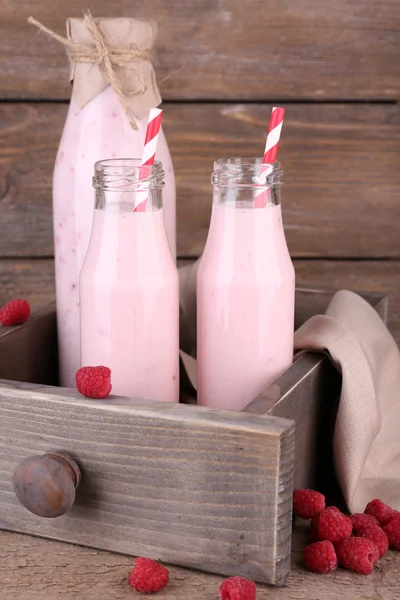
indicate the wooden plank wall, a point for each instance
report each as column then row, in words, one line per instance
column 221, row 65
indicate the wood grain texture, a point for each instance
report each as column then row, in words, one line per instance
column 191, row 486
column 37, row 569
column 34, row 280
column 340, row 198
column 301, row 49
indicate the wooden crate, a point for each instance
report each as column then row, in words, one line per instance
column 184, row 484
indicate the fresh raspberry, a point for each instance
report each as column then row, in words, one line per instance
column 381, row 511
column 308, row 503
column 331, row 525
column 361, row 520
column 148, row 576
column 357, row 554
column 314, row 534
column 15, row 312
column 320, row 557
column 392, row 530
column 237, row 588
column 94, row 382
column 376, row 535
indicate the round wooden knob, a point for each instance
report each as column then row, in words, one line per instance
column 45, row 485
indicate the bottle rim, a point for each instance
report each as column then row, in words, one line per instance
column 127, row 174
column 246, row 172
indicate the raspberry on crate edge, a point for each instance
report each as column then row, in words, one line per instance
column 308, row 503
column 148, row 576
column 237, row 588
column 320, row 557
column 15, row 312
column 357, row 554
column 94, row 382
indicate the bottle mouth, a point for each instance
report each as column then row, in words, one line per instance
column 127, row 174
column 246, row 172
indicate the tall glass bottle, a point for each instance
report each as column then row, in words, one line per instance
column 245, row 287
column 129, row 289
column 98, row 128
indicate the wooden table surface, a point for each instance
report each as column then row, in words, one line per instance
column 36, row 569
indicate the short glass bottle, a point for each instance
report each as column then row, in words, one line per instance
column 245, row 287
column 129, row 288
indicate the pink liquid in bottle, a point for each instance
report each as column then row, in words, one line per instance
column 99, row 130
column 129, row 290
column 245, row 291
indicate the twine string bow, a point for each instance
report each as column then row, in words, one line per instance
column 107, row 57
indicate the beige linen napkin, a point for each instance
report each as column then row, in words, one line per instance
column 366, row 442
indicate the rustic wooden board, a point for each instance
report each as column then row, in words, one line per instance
column 34, row 279
column 191, row 486
column 304, row 49
column 338, row 193
column 35, row 569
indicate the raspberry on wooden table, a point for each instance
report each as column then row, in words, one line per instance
column 237, row 588
column 148, row 576
column 320, row 557
column 94, row 382
column 381, row 511
column 392, row 530
column 357, row 554
column 331, row 525
column 15, row 312
column 308, row 503
column 361, row 520
column 376, row 535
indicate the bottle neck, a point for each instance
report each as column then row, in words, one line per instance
column 246, row 183
column 124, row 185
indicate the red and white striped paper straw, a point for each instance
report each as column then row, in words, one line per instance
column 271, row 150
column 274, row 134
column 150, row 146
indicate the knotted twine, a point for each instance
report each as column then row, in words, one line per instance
column 106, row 56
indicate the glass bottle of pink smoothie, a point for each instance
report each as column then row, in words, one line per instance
column 245, row 287
column 129, row 288
column 96, row 128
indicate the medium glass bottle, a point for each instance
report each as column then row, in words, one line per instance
column 97, row 128
column 245, row 287
column 129, row 288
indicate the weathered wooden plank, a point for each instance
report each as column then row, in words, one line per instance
column 34, row 569
column 225, row 49
column 341, row 162
column 30, row 279
column 34, row 280
column 191, row 486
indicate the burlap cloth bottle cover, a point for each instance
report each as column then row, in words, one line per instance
column 114, row 52
column 366, row 442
